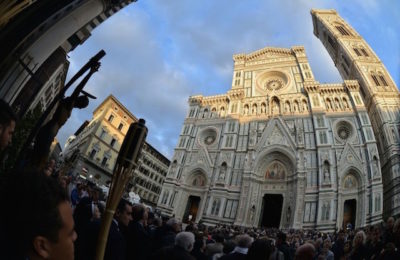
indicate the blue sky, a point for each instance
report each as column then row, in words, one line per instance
column 161, row 52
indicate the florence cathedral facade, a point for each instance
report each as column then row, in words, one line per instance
column 280, row 149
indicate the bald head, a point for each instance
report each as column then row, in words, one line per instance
column 305, row 252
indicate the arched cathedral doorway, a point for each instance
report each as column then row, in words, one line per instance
column 350, row 200
column 192, row 207
column 276, row 199
column 349, row 213
column 271, row 210
column 193, row 204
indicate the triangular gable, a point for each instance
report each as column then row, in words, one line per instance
column 276, row 133
column 268, row 53
column 349, row 157
column 204, row 157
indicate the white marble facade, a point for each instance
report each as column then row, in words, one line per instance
column 277, row 145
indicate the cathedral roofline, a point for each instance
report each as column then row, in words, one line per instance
column 269, row 50
column 323, row 11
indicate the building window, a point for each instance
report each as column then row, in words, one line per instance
column 375, row 80
column 191, row 114
column 92, row 153
column 320, row 121
column 357, row 52
column 74, row 41
column 104, row 161
column 382, row 78
column 364, row 52
column 332, row 43
column 230, row 209
column 358, row 100
column 215, row 207
column 342, row 30
column 103, row 134
column 309, row 212
column 100, row 19
column 182, row 142
column 323, row 138
column 110, row 118
column 120, row 127
column 364, row 119
column 232, row 127
column 113, row 142
column 369, row 134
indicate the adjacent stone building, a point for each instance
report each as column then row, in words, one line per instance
column 93, row 150
column 35, row 40
column 280, row 149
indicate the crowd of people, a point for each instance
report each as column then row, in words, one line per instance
column 50, row 216
column 139, row 233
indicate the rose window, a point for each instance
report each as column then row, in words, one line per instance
column 274, row 84
column 207, row 136
column 344, row 130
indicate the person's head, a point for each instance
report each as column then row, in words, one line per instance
column 185, row 240
column 340, row 236
column 174, row 225
column 327, row 244
column 244, row 241
column 39, row 218
column 139, row 213
column 347, row 247
column 390, row 223
column 259, row 249
column 123, row 214
column 7, row 124
column 359, row 239
column 305, row 252
column 376, row 236
column 318, row 243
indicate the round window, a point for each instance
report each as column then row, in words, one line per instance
column 344, row 130
column 208, row 136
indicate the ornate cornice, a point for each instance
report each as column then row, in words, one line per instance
column 258, row 53
column 236, row 93
column 217, row 99
column 352, row 85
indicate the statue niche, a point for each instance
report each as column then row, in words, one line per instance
column 222, row 172
column 326, row 173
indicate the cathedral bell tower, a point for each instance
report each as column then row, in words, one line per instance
column 355, row 60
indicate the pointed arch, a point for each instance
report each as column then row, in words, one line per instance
column 263, row 108
column 296, row 106
column 287, row 107
column 275, row 106
column 254, row 109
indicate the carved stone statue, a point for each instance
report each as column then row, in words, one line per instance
column 375, row 167
column 327, row 176
column 222, row 173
